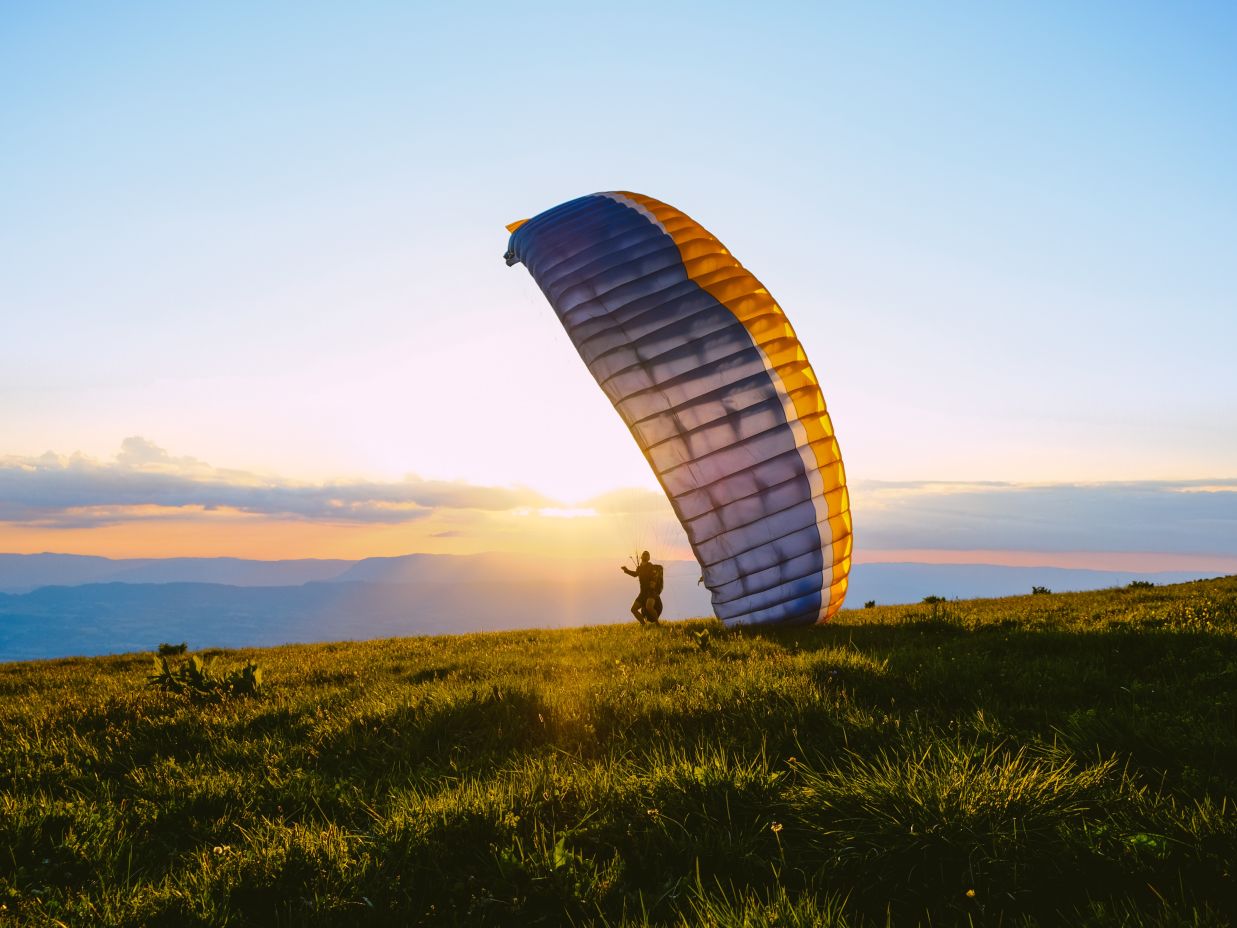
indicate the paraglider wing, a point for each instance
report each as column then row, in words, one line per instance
column 707, row 373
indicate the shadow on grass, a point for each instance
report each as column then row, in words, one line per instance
column 441, row 730
column 1166, row 698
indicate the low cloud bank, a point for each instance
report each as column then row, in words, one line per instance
column 1184, row 516
column 145, row 482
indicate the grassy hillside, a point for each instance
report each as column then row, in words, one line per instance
column 1049, row 759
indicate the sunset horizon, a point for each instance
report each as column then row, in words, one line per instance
column 197, row 510
column 266, row 319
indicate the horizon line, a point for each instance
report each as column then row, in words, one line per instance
column 1113, row 561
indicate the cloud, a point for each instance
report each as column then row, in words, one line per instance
column 137, row 453
column 629, row 500
column 1186, row 516
column 144, row 481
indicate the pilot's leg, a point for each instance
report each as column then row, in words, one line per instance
column 637, row 609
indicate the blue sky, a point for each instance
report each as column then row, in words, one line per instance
column 267, row 236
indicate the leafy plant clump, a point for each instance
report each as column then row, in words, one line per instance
column 1040, row 591
column 199, row 679
column 169, row 650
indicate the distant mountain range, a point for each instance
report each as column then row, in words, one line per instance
column 55, row 605
column 21, row 573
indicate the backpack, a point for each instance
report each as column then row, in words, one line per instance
column 656, row 580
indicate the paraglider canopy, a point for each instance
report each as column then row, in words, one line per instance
column 706, row 371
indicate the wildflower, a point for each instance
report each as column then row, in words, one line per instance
column 776, row 827
column 970, row 894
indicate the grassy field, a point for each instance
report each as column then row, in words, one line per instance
column 1047, row 759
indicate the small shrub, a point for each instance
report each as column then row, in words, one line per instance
column 1040, row 591
column 1140, row 585
column 198, row 679
column 169, row 650
column 870, row 604
column 940, row 615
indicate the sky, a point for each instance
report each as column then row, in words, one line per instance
column 253, row 300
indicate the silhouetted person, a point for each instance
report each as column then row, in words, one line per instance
column 647, row 607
